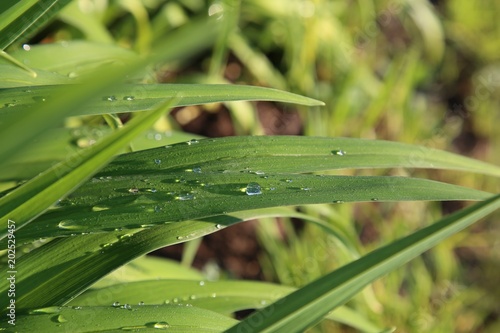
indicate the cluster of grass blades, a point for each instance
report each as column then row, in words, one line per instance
column 85, row 213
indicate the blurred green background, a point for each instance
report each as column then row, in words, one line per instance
column 420, row 72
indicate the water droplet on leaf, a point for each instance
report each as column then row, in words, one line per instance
column 99, row 208
column 48, row 310
column 253, row 189
column 128, row 98
column 61, row 319
column 161, row 325
column 338, row 152
column 185, row 196
column 68, row 225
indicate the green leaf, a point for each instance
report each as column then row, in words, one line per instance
column 145, row 318
column 135, row 201
column 24, row 17
column 224, row 297
column 308, row 305
column 143, row 97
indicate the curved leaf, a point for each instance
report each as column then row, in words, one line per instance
column 141, row 97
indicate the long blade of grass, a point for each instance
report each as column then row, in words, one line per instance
column 145, row 97
column 131, row 202
column 309, row 304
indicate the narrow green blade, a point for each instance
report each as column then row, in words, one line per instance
column 143, row 97
column 129, row 202
column 308, row 305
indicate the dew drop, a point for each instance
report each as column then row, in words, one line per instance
column 133, row 328
column 39, row 99
column 109, row 98
column 126, row 306
column 47, row 310
column 185, row 196
column 158, row 137
column 133, row 190
column 9, row 105
column 115, row 304
column 161, row 325
column 253, row 189
column 72, row 75
column 338, row 201
column 374, row 199
column 141, row 303
column 197, row 170
column 180, row 237
column 201, row 283
column 26, row 47
column 218, row 226
column 125, row 236
column 157, row 161
column 288, row 180
column 77, row 308
column 128, row 98
column 152, row 190
column 68, row 225
column 213, row 295
column 106, row 245
column 338, row 152
column 99, row 208
column 61, row 319
column 192, row 142
column 168, row 146
column 305, row 188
